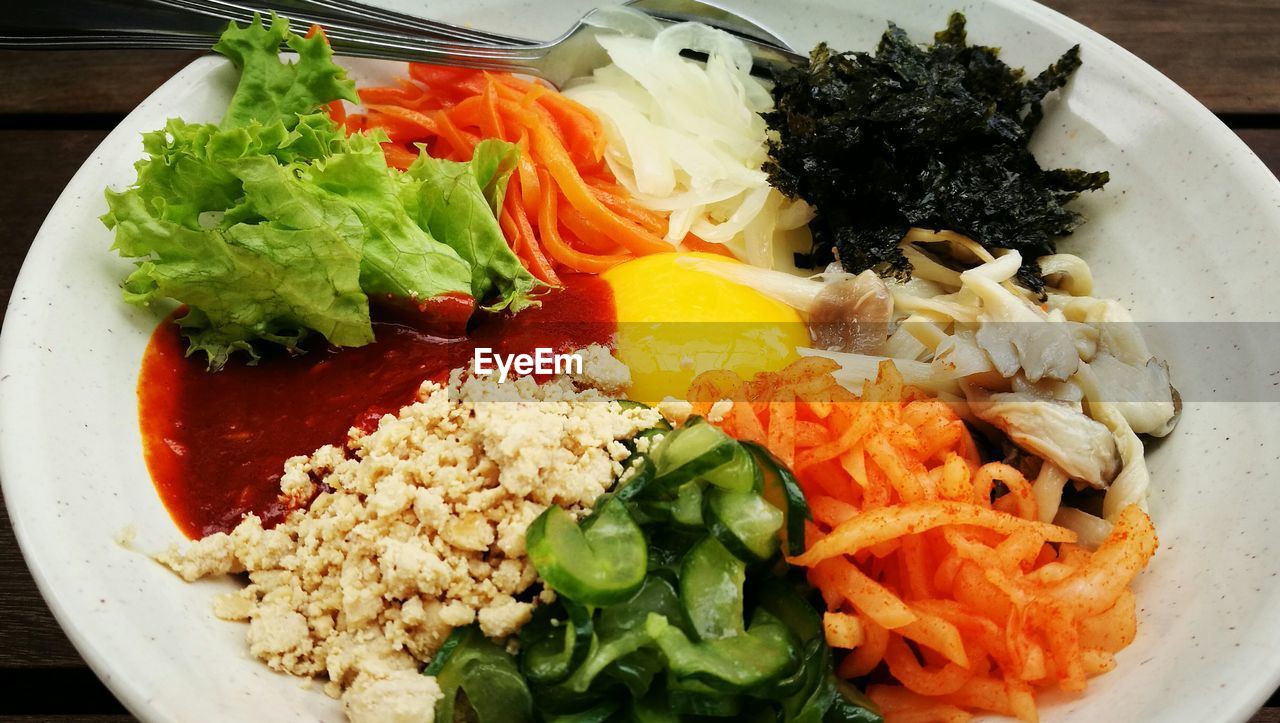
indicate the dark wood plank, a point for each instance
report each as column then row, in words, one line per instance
column 1224, row 52
column 73, row 719
column 1266, row 143
column 1267, row 715
column 27, row 693
column 37, row 165
column 29, row 636
column 82, row 82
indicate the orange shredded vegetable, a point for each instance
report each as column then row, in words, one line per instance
column 563, row 208
column 969, row 604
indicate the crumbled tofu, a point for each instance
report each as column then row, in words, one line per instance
column 602, row 370
column 402, row 697
column 676, row 410
column 719, row 411
column 420, row 529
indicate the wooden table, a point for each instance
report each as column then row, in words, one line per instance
column 56, row 107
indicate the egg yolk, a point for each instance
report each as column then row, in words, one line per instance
column 675, row 322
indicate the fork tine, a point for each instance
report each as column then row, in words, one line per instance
column 355, row 27
column 406, row 22
column 114, row 41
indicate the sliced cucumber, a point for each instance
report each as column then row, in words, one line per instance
column 686, row 509
column 711, row 580
column 602, row 565
column 740, row 474
column 450, row 644
column 557, row 702
column 668, row 548
column 603, row 654
column 555, row 642
column 790, row 607
column 656, row 707
column 490, row 678
column 851, row 705
column 781, row 490
column 637, row 671
column 744, row 523
column 601, row 712
column 763, row 654
column 692, row 451
column 657, row 595
column 786, row 600
column 711, row 704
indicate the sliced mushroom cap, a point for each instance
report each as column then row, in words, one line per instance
column 1041, row 349
column 852, row 314
column 1141, row 393
column 1056, row 431
column 1017, row 334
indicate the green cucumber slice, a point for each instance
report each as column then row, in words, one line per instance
column 686, row 509
column 782, row 491
column 850, row 705
column 598, row 713
column 736, row 664
column 555, row 642
column 637, row 671
column 740, row 474
column 711, row 704
column 656, row 595
column 711, row 580
column 602, row 565
column 744, row 523
column 655, row 707
column 603, row 654
column 442, row 655
column 488, row 676
column 785, row 599
column 691, row 451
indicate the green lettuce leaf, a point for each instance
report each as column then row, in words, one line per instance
column 271, row 90
column 458, row 203
column 401, row 258
column 269, row 268
column 274, row 223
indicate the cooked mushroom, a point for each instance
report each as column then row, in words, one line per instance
column 1017, row 334
column 1040, row 349
column 1142, row 393
column 852, row 314
column 1054, row 430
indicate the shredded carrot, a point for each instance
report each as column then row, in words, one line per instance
column 559, row 250
column 693, row 243
column 934, row 566
column 563, row 210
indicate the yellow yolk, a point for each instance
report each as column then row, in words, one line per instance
column 675, row 322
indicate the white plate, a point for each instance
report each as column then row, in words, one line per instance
column 1185, row 231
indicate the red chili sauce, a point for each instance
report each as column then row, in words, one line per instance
column 216, row 443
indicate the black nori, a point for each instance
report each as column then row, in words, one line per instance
column 929, row 136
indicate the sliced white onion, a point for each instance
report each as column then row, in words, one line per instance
column 688, row 139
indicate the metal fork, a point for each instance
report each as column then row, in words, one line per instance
column 362, row 31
